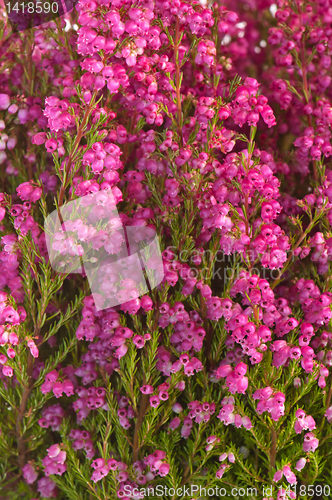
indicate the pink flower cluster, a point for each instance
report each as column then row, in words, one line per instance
column 52, row 417
column 235, row 378
column 54, row 462
column 289, row 475
column 303, row 422
column 82, row 440
column 227, row 415
column 53, row 384
column 310, row 442
column 157, row 464
column 89, row 399
column 102, row 467
column 29, row 473
column 270, row 401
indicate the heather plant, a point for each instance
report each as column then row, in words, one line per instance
column 208, row 125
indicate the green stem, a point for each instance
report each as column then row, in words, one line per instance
column 273, row 449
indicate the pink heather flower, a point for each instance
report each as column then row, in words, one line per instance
column 184, row 359
column 36, row 194
column 46, row 387
column 2, row 213
column 11, row 353
column 310, row 442
column 4, row 101
column 163, row 395
column 164, row 470
column 277, row 476
column 291, row 478
column 10, row 315
column 246, row 422
column 240, row 386
column 300, row 464
column 220, row 472
column 146, row 303
column 7, row 371
column 223, row 371
column 99, row 462
column 13, row 338
column 54, row 451
column 286, row 470
column 68, row 387
column 328, row 414
column 29, row 473
column 238, row 421
column 57, row 389
column 177, row 408
column 212, row 439
column 39, row 138
column 122, row 476
column 146, row 389
column 174, row 423
column 101, row 469
column 112, row 464
column 310, row 423
column 300, row 414
column 33, row 348
column 121, row 351
column 52, row 376
column 189, row 369
column 139, row 342
column 46, row 487
column 154, row 401
column 25, row 190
